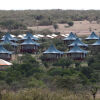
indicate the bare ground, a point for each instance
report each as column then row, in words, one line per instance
column 79, row 27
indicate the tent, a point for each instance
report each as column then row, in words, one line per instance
column 52, row 50
column 7, row 41
column 9, row 37
column 71, row 36
column 77, row 53
column 5, row 54
column 4, row 63
column 52, row 54
column 79, row 43
column 29, row 35
column 92, row 36
column 29, row 46
column 97, row 43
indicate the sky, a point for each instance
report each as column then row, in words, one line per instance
column 49, row 4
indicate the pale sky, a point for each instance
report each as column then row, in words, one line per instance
column 49, row 4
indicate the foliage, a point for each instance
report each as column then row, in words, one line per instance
column 70, row 23
column 55, row 26
column 11, row 24
column 29, row 17
column 63, row 62
column 30, row 72
column 45, row 22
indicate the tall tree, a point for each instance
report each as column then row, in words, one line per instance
column 55, row 26
column 37, row 18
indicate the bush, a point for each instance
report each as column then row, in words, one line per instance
column 11, row 24
column 63, row 62
column 45, row 22
column 55, row 71
column 70, row 23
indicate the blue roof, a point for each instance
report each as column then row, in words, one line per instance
column 3, row 50
column 9, row 37
column 52, row 50
column 71, row 36
column 7, row 41
column 29, row 35
column 97, row 42
column 29, row 41
column 77, row 49
column 92, row 36
column 79, row 43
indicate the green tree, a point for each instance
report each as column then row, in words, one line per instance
column 63, row 62
column 94, row 92
column 11, row 25
column 55, row 26
column 70, row 23
column 38, row 18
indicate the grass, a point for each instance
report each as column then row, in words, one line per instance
column 44, row 94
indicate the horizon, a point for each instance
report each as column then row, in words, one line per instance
column 48, row 9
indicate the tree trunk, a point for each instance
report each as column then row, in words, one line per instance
column 93, row 97
column 37, row 25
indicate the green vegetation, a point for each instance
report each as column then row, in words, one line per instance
column 48, row 17
column 44, row 94
column 55, row 26
column 36, row 79
column 12, row 25
column 62, row 75
column 70, row 23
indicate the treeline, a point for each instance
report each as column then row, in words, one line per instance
column 48, row 17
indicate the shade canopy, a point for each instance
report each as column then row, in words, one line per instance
column 7, row 41
column 79, row 43
column 52, row 50
column 3, row 50
column 77, row 49
column 4, row 63
column 29, row 35
column 92, row 36
column 71, row 36
column 9, row 37
column 97, row 43
column 29, row 41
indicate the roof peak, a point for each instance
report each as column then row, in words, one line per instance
column 77, row 49
column 30, row 41
column 3, row 50
column 52, row 49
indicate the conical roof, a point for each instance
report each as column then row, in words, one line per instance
column 77, row 49
column 9, row 37
column 53, row 50
column 3, row 50
column 71, row 37
column 29, row 35
column 29, row 41
column 92, row 36
column 78, row 42
column 7, row 41
column 3, row 63
column 97, row 42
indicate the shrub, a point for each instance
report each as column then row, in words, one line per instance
column 45, row 22
column 70, row 23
